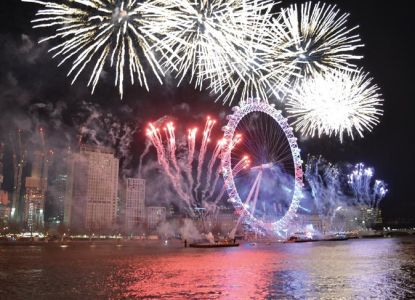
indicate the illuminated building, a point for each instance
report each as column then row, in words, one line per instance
column 5, row 210
column 155, row 216
column 4, row 196
column 1, row 164
column 134, row 203
column 34, row 197
column 91, row 199
column 19, row 153
column 57, row 192
column 370, row 217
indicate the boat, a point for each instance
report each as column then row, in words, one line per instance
column 220, row 244
column 335, row 237
column 301, row 238
column 296, row 239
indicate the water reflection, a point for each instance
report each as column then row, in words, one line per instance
column 378, row 268
column 211, row 274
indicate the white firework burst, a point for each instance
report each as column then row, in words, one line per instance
column 93, row 32
column 320, row 38
column 204, row 38
column 249, row 78
column 335, row 103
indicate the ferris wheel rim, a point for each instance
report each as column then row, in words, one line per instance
column 239, row 112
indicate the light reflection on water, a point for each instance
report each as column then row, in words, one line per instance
column 372, row 268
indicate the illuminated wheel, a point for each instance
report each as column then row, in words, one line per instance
column 268, row 192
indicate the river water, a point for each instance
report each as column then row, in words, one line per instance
column 353, row 269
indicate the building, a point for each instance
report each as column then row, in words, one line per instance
column 19, row 159
column 91, row 199
column 135, row 210
column 370, row 217
column 155, row 216
column 35, row 193
column 57, row 192
column 5, row 210
column 1, row 164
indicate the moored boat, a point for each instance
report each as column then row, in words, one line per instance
column 219, row 244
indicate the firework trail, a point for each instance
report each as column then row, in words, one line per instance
column 187, row 180
column 171, row 145
column 191, row 142
column 334, row 103
column 145, row 152
column 92, row 32
column 202, row 153
column 155, row 137
column 324, row 180
column 365, row 190
column 148, row 145
column 212, row 161
column 379, row 192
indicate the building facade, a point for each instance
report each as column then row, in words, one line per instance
column 5, row 210
column 35, row 193
column 91, row 199
column 135, row 210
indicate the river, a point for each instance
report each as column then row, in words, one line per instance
column 354, row 269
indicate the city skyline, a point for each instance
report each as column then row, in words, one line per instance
column 47, row 100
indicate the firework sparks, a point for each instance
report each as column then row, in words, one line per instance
column 185, row 171
column 319, row 36
column 92, row 32
column 365, row 190
column 334, row 103
column 249, row 78
column 203, row 39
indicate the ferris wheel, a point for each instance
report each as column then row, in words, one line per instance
column 268, row 191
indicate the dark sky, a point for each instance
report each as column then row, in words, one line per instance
column 33, row 93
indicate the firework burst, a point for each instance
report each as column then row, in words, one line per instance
column 204, row 39
column 335, row 102
column 93, row 32
column 318, row 38
column 249, row 78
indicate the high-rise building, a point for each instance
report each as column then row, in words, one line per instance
column 135, row 210
column 4, row 210
column 155, row 216
column 57, row 192
column 370, row 217
column 19, row 159
column 1, row 164
column 36, row 186
column 91, row 199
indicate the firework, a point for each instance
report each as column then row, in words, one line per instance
column 335, row 102
column 366, row 191
column 184, row 166
column 204, row 39
column 315, row 37
column 250, row 78
column 92, row 32
column 324, row 180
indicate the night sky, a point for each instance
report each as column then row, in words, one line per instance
column 34, row 93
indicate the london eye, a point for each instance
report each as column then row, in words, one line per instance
column 267, row 193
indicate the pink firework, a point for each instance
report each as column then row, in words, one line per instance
column 194, row 169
